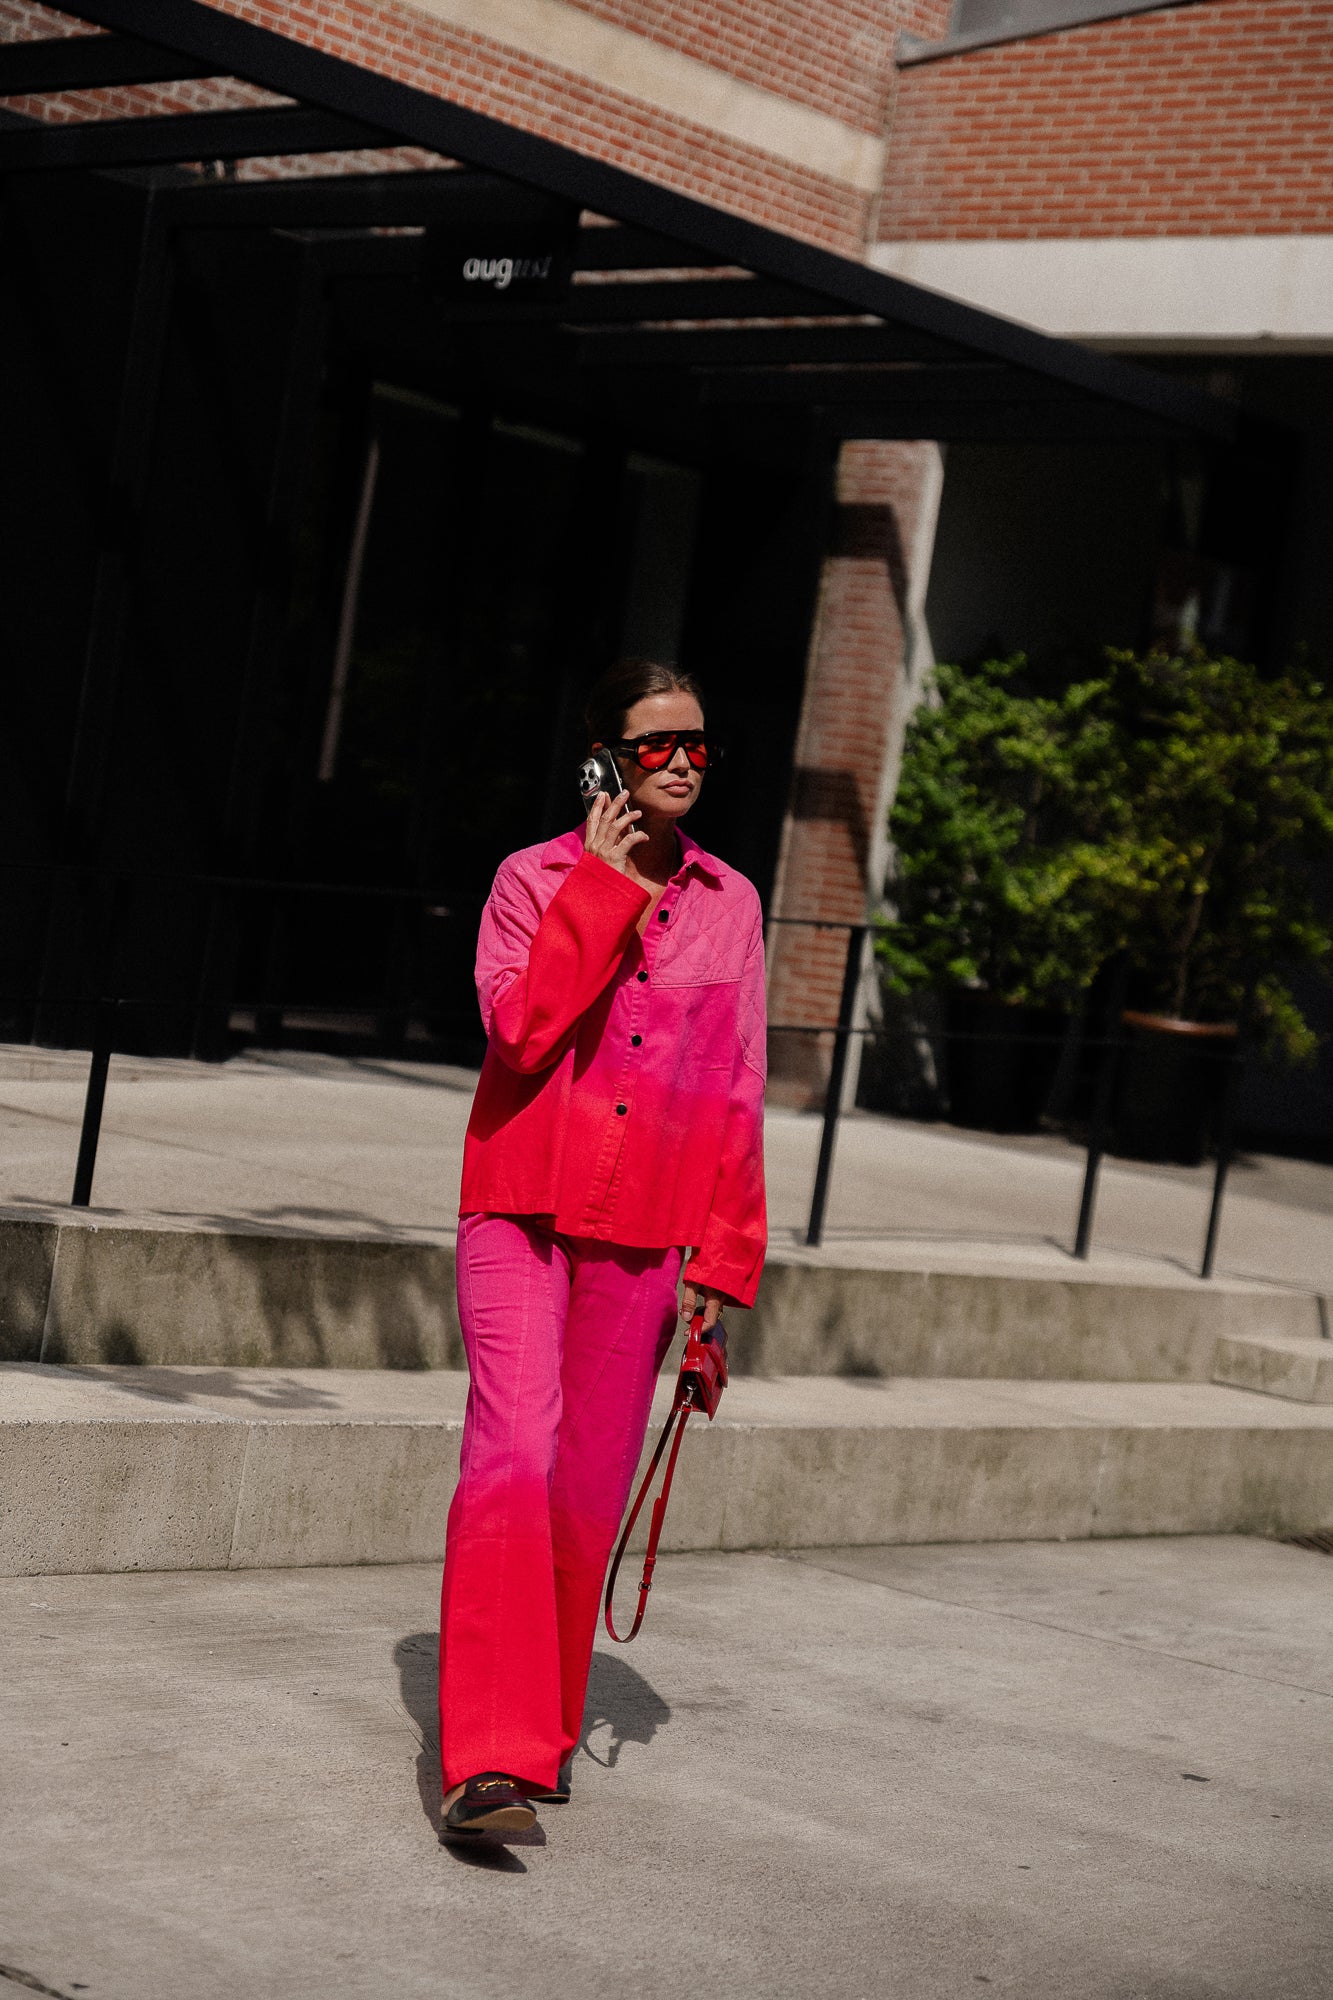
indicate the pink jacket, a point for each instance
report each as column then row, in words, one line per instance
column 623, row 1089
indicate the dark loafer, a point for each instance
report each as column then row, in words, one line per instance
column 492, row 1802
column 560, row 1795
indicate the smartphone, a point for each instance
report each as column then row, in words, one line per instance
column 599, row 774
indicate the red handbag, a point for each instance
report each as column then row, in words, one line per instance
column 699, row 1386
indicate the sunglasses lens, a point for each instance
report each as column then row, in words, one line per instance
column 654, row 753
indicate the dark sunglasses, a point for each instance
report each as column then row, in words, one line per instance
column 655, row 752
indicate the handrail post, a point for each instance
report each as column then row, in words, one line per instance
column 94, row 1097
column 851, row 982
column 1225, row 1153
column 1101, row 1110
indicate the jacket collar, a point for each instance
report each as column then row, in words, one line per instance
column 565, row 850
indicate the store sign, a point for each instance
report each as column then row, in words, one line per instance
column 501, row 272
column 518, row 257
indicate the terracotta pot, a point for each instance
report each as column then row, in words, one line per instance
column 1169, row 1086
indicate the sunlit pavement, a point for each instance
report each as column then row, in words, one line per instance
column 1041, row 1770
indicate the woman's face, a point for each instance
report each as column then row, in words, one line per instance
column 671, row 791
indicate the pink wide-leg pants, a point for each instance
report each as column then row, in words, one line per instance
column 564, row 1341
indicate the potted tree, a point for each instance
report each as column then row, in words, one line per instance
column 1230, row 777
column 1171, row 807
column 1003, row 892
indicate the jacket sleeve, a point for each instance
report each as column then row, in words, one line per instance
column 539, row 972
column 730, row 1259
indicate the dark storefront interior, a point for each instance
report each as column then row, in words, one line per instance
column 310, row 553
column 422, row 566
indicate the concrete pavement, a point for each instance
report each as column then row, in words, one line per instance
column 1096, row 1771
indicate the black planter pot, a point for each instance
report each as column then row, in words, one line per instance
column 1169, row 1087
column 1002, row 1061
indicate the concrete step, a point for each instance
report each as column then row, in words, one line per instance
column 1070, row 1324
column 86, row 1290
column 1276, row 1366
column 113, row 1468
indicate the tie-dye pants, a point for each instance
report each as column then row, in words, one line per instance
column 564, row 1341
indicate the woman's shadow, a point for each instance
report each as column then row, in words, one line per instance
column 619, row 1699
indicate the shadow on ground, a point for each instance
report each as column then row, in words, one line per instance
column 619, row 1699
column 163, row 1385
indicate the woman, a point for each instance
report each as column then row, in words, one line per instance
column 618, row 1124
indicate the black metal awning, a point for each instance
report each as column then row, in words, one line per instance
column 716, row 313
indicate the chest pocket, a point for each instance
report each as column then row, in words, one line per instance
column 699, row 947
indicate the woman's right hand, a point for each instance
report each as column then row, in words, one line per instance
column 610, row 832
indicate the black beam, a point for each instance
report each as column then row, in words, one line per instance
column 877, row 387
column 404, row 200
column 196, row 135
column 331, row 201
column 691, row 299
column 754, row 346
column 91, row 62
column 419, row 118
column 621, row 249
column 694, row 300
column 1053, row 420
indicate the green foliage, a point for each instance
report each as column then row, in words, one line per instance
column 1168, row 805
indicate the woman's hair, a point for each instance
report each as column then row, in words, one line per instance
column 630, row 681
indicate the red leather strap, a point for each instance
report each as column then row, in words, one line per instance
column 680, row 1416
column 698, row 1386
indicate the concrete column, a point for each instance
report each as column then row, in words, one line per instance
column 868, row 653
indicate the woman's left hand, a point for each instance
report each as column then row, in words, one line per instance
column 697, row 1298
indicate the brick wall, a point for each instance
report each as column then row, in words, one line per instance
column 832, row 56
column 603, row 122
column 833, row 839
column 1212, row 119
column 21, row 20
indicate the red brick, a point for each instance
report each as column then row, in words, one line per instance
column 1224, row 110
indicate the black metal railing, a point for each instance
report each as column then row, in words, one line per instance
column 100, row 1013
column 1107, row 1042
column 843, row 1030
column 107, row 1014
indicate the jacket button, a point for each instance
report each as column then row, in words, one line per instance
column 621, row 1109
column 641, row 975
column 634, row 1041
column 662, row 916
